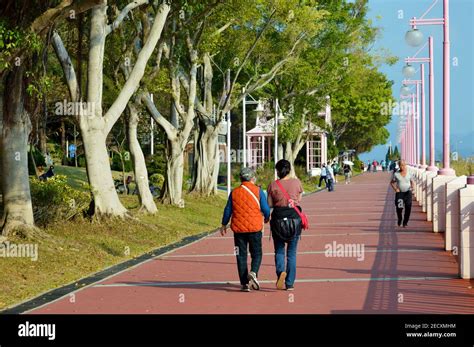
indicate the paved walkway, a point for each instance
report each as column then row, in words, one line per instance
column 402, row 271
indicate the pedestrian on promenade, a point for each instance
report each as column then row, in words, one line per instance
column 347, row 173
column 323, row 176
column 402, row 183
column 285, row 224
column 369, row 166
column 330, row 178
column 335, row 171
column 374, row 165
column 393, row 166
column 247, row 209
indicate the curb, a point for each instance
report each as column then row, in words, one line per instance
column 55, row 294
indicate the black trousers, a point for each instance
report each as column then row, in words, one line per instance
column 403, row 201
column 253, row 241
column 321, row 178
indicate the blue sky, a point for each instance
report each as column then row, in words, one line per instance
column 385, row 14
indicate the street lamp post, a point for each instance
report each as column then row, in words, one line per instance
column 229, row 166
column 415, row 106
column 413, row 38
column 410, row 128
column 423, row 111
column 430, row 61
column 244, row 126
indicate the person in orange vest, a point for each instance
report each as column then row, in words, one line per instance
column 247, row 209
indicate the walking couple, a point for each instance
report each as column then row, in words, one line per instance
column 248, row 209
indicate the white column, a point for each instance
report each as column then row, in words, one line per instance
column 229, row 174
column 324, row 148
column 249, row 150
column 244, row 125
column 307, row 155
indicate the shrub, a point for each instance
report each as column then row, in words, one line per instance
column 357, row 165
column 117, row 164
column 54, row 200
column 157, row 180
column 39, row 161
column 56, row 152
column 156, row 164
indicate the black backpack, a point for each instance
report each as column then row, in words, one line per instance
column 286, row 228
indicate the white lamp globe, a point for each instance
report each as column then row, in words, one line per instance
column 405, row 90
column 408, row 71
column 414, row 37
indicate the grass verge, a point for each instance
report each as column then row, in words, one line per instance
column 77, row 249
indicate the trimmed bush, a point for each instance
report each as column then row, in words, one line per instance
column 157, row 180
column 54, row 200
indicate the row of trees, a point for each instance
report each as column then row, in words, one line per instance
column 196, row 58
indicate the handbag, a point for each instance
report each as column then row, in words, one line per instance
column 304, row 218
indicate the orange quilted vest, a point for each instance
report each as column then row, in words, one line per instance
column 246, row 214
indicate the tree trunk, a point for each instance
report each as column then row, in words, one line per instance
column 290, row 156
column 42, row 137
column 206, row 160
column 106, row 200
column 62, row 130
column 16, row 126
column 139, row 167
column 173, row 186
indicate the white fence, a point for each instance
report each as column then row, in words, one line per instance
column 448, row 202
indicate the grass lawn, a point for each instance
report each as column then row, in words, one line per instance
column 463, row 166
column 77, row 176
column 77, row 249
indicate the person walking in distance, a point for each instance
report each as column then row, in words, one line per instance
column 323, row 176
column 247, row 209
column 402, row 183
column 284, row 195
column 330, row 178
column 347, row 173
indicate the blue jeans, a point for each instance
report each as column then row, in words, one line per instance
column 253, row 241
column 291, row 247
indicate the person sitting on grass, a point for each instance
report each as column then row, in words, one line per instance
column 47, row 174
column 247, row 209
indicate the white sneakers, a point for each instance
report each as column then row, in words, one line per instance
column 253, row 282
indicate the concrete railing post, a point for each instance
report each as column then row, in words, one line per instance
column 466, row 222
column 439, row 202
column 453, row 229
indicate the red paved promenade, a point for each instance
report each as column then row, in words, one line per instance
column 401, row 271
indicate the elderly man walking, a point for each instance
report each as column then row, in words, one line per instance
column 247, row 209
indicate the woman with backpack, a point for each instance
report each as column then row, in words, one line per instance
column 284, row 195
